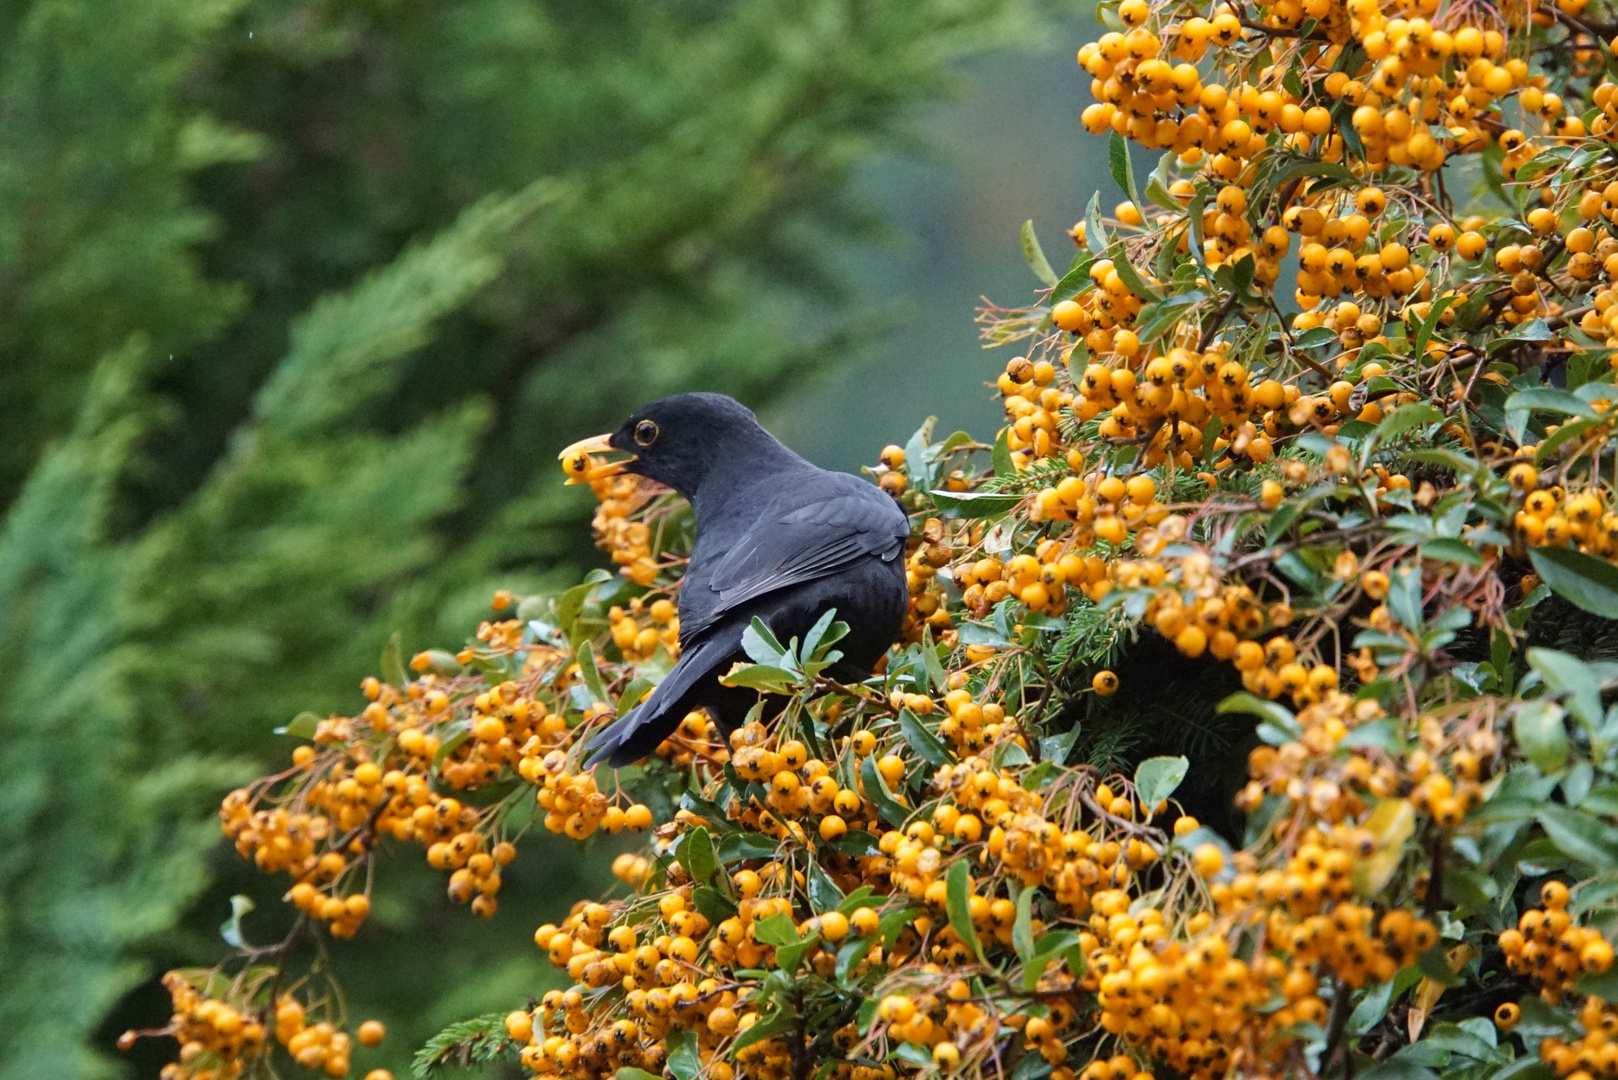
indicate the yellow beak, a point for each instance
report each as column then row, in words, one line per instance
column 581, row 468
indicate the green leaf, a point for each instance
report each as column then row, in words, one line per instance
column 1130, row 276
column 392, row 664
column 462, row 732
column 1371, row 1008
column 589, row 674
column 778, row 1024
column 1095, row 237
column 1453, row 551
column 629, row 1072
column 1050, row 946
column 1424, row 332
column 633, row 694
column 1550, row 399
column 1075, row 281
column 683, row 1060
column 761, row 677
column 231, row 930
column 303, row 726
column 877, row 791
column 761, row 645
column 1404, row 597
column 777, row 930
column 1022, row 930
column 1604, row 985
column 1156, row 779
column 1541, row 734
column 957, row 890
column 569, row 605
column 788, row 957
column 746, row 845
column 1564, row 434
column 929, row 658
column 1580, row 836
column 927, row 746
column 1315, row 337
column 1122, row 168
column 850, row 955
column 1571, row 676
column 975, row 504
column 714, row 905
column 1274, row 713
column 1403, row 419
column 696, row 853
column 1001, row 455
column 1034, row 255
column 824, row 895
column 1585, row 581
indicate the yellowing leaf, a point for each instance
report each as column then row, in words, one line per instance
column 1391, row 824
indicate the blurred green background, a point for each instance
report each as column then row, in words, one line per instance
column 299, row 298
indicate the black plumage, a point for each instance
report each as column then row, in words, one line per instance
column 777, row 538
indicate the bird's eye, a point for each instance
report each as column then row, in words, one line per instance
column 645, row 433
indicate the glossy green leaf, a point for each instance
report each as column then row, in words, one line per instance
column 696, row 854
column 958, row 890
column 1583, row 580
column 927, row 746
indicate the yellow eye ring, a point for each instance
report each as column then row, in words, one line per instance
column 645, row 433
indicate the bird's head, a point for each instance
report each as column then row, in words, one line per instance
column 675, row 441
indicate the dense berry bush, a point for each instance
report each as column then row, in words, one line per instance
column 1373, row 513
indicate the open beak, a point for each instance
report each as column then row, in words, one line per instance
column 581, row 468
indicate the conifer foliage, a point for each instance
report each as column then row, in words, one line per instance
column 300, row 300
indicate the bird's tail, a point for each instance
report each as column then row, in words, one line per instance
column 638, row 732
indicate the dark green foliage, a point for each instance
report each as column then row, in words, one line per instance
column 300, row 298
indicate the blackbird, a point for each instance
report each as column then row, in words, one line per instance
column 778, row 538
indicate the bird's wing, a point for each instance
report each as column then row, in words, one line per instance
column 809, row 541
column 639, row 731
